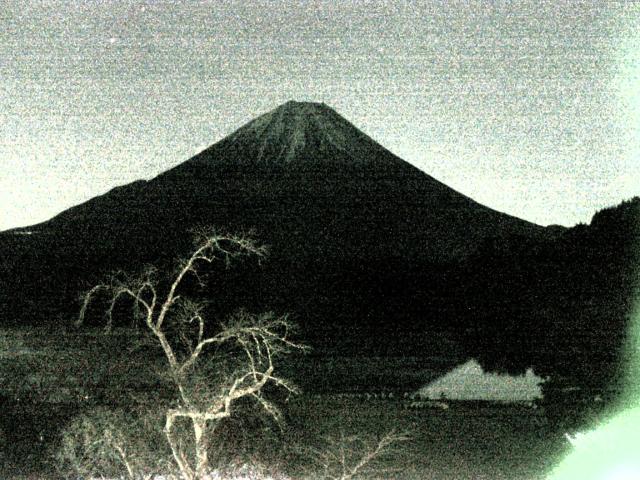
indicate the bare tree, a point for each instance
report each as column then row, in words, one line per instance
column 178, row 325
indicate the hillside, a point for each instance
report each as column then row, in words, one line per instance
column 563, row 306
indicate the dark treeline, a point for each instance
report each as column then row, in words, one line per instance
column 562, row 305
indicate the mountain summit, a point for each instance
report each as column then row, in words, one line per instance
column 297, row 132
column 295, row 124
column 296, row 128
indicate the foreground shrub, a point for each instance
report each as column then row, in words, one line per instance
column 111, row 444
column 352, row 457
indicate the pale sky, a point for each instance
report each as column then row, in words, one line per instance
column 529, row 107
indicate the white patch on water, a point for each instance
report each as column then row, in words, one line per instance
column 470, row 382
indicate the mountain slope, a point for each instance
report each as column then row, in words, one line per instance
column 304, row 165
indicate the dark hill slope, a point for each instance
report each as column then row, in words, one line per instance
column 562, row 305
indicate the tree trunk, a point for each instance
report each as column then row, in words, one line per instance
column 202, row 460
column 185, row 469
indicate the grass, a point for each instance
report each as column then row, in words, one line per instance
column 467, row 441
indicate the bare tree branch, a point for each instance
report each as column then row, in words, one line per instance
column 349, row 457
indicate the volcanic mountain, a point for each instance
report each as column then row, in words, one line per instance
column 358, row 237
column 305, row 178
